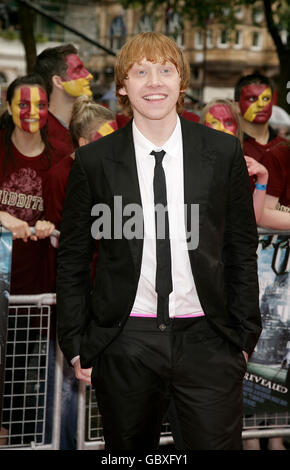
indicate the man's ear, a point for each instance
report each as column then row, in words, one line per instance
column 237, row 107
column 83, row 141
column 122, row 91
column 57, row 81
column 9, row 109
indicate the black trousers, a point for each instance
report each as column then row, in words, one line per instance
column 190, row 363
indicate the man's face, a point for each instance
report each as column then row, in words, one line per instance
column 29, row 108
column 77, row 81
column 153, row 89
column 220, row 117
column 256, row 103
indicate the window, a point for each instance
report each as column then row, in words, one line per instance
column 117, row 33
column 198, row 40
column 257, row 15
column 256, row 40
column 223, row 38
column 239, row 13
column 225, row 11
column 209, row 38
column 144, row 25
column 238, row 39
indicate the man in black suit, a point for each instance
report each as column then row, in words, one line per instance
column 173, row 312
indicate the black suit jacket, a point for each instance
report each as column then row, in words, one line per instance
column 223, row 265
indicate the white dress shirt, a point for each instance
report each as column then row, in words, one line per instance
column 183, row 300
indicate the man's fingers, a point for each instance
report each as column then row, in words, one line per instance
column 84, row 374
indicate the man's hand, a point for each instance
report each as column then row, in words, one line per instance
column 82, row 374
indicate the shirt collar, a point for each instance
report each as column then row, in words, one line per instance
column 171, row 147
column 272, row 135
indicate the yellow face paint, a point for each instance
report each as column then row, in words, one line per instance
column 105, row 129
column 215, row 123
column 256, row 103
column 78, row 87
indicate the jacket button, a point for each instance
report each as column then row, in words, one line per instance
column 119, row 324
column 162, row 327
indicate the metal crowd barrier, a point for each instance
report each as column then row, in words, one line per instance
column 24, row 413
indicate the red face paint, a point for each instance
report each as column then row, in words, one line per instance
column 220, row 117
column 78, row 79
column 75, row 68
column 29, row 108
column 256, row 103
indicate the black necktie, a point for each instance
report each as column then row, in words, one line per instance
column 163, row 284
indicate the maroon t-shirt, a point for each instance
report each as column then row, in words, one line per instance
column 259, row 152
column 55, row 188
column 277, row 162
column 254, row 149
column 59, row 137
column 54, row 196
column 21, row 195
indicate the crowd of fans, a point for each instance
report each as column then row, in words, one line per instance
column 51, row 112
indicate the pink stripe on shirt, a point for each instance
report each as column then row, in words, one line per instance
column 153, row 315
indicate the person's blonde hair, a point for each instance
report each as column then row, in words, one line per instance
column 87, row 116
column 154, row 47
column 231, row 105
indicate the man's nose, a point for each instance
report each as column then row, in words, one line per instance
column 260, row 102
column 153, row 78
column 89, row 77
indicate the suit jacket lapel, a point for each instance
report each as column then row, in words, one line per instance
column 198, row 163
column 121, row 172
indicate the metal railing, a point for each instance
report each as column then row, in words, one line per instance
column 24, row 412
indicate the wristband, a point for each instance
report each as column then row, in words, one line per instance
column 262, row 187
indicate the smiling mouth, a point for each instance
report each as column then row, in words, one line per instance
column 154, row 97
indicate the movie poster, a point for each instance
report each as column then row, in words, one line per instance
column 5, row 269
column 267, row 380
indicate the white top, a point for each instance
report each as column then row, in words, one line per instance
column 183, row 300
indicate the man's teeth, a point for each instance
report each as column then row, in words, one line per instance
column 154, row 97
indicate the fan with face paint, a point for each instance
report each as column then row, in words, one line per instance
column 29, row 108
column 256, row 103
column 77, row 81
column 220, row 114
column 220, row 117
